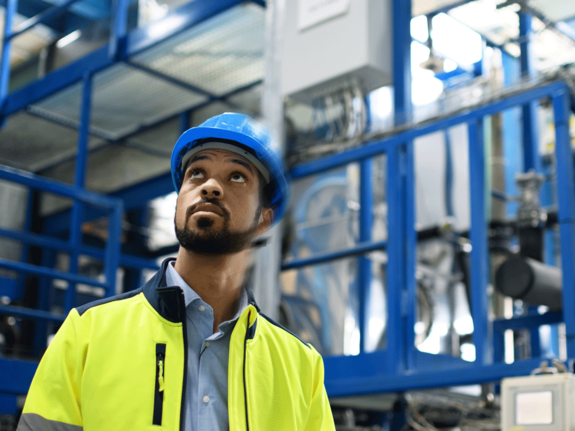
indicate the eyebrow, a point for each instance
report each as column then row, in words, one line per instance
column 244, row 164
column 195, row 159
column 240, row 162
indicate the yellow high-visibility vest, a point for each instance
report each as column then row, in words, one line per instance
column 119, row 364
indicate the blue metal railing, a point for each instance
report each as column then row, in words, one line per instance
column 399, row 367
column 111, row 206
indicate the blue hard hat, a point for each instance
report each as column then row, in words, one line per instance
column 256, row 144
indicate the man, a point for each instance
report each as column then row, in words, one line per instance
column 190, row 350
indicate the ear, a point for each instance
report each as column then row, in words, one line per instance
column 265, row 221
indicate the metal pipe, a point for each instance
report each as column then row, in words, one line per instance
column 359, row 248
column 531, row 281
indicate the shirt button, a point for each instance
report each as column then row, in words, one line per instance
column 202, row 308
column 207, row 344
column 206, row 399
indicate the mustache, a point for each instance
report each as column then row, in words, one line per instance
column 215, row 202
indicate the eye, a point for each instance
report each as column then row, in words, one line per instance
column 238, row 178
column 196, row 174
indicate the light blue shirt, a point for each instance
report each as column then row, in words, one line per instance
column 206, row 398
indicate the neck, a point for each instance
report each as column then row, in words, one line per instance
column 217, row 279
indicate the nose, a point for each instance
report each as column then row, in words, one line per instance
column 212, row 189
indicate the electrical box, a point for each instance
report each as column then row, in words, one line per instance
column 330, row 43
column 538, row 403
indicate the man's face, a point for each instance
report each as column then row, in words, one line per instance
column 219, row 207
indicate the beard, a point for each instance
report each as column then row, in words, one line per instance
column 204, row 239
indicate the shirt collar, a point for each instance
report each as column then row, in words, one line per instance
column 173, row 278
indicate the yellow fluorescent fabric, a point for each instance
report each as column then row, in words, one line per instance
column 101, row 371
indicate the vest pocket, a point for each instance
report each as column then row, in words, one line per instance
column 159, row 383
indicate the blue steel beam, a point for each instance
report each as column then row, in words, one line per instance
column 527, row 322
column 531, row 159
column 11, row 7
column 363, row 374
column 79, row 182
column 112, row 254
column 395, row 282
column 117, row 45
column 50, row 273
column 479, row 252
column 29, row 313
column 410, row 260
column 27, row 226
column 364, row 263
column 402, row 60
column 39, row 183
column 565, row 197
column 375, row 147
column 335, row 255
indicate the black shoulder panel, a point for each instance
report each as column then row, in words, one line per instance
column 81, row 310
column 273, row 322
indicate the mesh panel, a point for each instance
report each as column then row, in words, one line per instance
column 31, row 143
column 218, row 56
column 123, row 99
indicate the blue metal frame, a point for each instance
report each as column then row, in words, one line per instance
column 401, row 367
column 113, row 207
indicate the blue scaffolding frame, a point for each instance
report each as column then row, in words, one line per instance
column 401, row 366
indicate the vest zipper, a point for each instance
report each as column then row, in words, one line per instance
column 159, row 383
column 245, row 387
